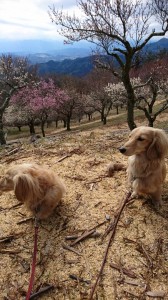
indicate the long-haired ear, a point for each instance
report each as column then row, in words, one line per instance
column 152, row 150
column 159, row 146
column 25, row 187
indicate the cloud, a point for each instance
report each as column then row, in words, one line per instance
column 22, row 19
column 29, row 19
column 66, row 4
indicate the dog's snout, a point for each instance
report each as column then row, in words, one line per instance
column 122, row 149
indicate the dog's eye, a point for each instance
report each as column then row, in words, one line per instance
column 140, row 139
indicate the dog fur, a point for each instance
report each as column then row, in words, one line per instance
column 146, row 148
column 39, row 188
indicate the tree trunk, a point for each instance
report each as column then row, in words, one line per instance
column 19, row 128
column 105, row 120
column 130, row 115
column 65, row 123
column 2, row 137
column 31, row 127
column 102, row 115
column 42, row 128
column 68, row 123
column 2, row 133
column 117, row 109
column 130, row 92
column 150, row 122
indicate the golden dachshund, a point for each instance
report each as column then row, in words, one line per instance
column 39, row 188
column 146, row 148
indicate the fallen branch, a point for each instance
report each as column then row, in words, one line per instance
column 141, row 248
column 88, row 233
column 41, row 291
column 25, row 220
column 6, row 239
column 64, row 157
column 131, row 293
column 11, row 159
column 74, row 151
column 65, row 246
column 71, row 237
column 83, row 236
column 9, row 208
column 16, row 205
column 125, row 271
column 109, row 243
column 13, row 151
column 5, row 251
column 79, row 279
column 159, row 247
column 134, row 282
column 100, row 224
column 79, row 177
column 95, row 180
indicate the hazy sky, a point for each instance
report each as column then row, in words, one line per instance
column 29, row 19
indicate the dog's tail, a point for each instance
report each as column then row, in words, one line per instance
column 26, row 188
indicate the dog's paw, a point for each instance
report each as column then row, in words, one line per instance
column 134, row 195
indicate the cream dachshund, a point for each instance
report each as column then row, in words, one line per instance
column 39, row 188
column 146, row 148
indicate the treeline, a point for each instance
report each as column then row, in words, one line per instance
column 27, row 99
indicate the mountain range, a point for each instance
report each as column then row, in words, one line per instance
column 39, row 51
column 55, row 57
column 81, row 66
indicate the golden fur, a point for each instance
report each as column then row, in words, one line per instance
column 39, row 188
column 147, row 148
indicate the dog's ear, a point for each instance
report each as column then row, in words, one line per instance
column 24, row 187
column 152, row 152
column 159, row 146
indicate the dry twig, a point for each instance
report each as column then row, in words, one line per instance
column 6, row 239
column 13, row 151
column 64, row 157
column 25, row 220
column 42, row 291
column 125, row 271
column 141, row 248
column 65, row 246
column 83, row 236
column 6, row 251
column 79, row 279
column 109, row 243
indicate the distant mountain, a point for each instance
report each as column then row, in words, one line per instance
column 81, row 66
column 59, row 55
column 39, row 51
column 75, row 67
column 55, row 57
column 42, row 51
column 157, row 46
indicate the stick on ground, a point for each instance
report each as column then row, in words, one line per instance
column 109, row 243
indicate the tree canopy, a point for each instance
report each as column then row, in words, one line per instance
column 120, row 28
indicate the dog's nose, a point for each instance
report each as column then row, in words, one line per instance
column 122, row 149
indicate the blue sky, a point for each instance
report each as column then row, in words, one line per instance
column 29, row 19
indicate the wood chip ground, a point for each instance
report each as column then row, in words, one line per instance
column 137, row 263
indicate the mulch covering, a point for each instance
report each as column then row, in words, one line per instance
column 137, row 261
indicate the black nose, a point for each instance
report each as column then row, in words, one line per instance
column 122, row 149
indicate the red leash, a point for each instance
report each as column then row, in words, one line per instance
column 33, row 262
